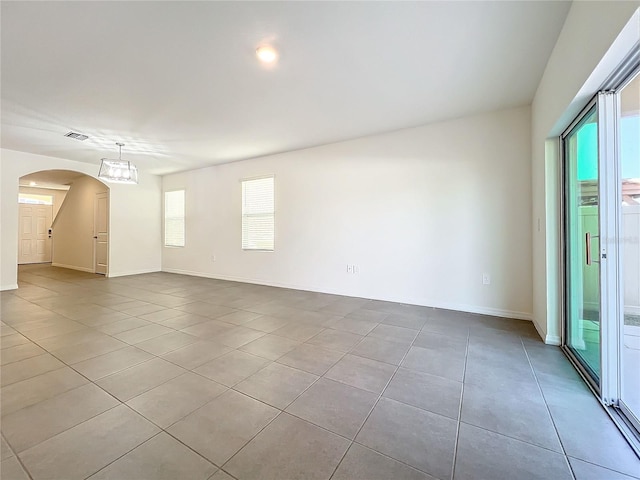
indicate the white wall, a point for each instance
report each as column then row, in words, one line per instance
column 134, row 216
column 73, row 229
column 589, row 48
column 423, row 212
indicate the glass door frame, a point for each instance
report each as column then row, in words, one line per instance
column 616, row 388
column 609, row 388
column 579, row 363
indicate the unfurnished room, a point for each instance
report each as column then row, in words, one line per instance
column 314, row 240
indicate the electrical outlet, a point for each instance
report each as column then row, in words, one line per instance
column 213, row 258
column 486, row 279
column 353, row 268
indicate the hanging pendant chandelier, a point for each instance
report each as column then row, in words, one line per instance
column 118, row 171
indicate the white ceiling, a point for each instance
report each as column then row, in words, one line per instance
column 50, row 179
column 179, row 84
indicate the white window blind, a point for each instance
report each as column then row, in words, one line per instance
column 258, row 212
column 174, row 218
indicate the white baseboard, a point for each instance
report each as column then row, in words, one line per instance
column 552, row 340
column 13, row 286
column 494, row 312
column 133, row 272
column 539, row 330
column 424, row 303
column 73, row 267
column 546, row 338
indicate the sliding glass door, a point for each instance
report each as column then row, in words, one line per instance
column 582, row 243
column 601, row 234
column 629, row 204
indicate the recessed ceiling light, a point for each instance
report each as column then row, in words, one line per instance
column 267, row 54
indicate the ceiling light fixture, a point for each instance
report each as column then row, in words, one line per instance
column 118, row 171
column 32, row 184
column 267, row 54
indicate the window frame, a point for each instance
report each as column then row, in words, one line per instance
column 184, row 218
column 36, row 199
column 272, row 214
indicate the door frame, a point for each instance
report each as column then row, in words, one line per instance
column 632, row 418
column 595, row 386
column 106, row 194
column 609, row 389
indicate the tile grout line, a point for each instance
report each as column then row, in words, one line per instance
column 18, row 459
column 544, row 398
column 124, row 454
column 459, row 421
column 397, row 367
column 282, row 411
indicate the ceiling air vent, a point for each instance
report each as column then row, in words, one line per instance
column 77, row 136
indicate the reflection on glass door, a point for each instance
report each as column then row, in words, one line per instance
column 582, row 245
column 629, row 151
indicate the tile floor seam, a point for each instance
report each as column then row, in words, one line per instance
column 273, row 406
column 24, row 467
column 137, row 365
column 280, row 412
column 26, row 358
column 312, row 345
column 601, row 466
column 92, row 328
column 72, row 426
column 397, row 367
column 204, row 377
column 386, row 455
column 459, row 420
column 320, row 426
column 120, row 402
column 70, row 365
column 224, row 471
column 194, row 451
column 196, row 366
column 604, row 468
column 124, row 454
column 39, row 375
column 546, row 404
column 17, row 457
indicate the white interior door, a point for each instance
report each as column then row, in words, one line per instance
column 34, row 244
column 101, row 232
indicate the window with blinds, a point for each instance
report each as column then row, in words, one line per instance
column 258, row 214
column 174, row 219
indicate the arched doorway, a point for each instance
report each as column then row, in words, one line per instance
column 63, row 221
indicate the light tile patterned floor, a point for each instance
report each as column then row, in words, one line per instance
column 163, row 376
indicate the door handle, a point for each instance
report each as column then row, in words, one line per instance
column 95, row 236
column 587, row 248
